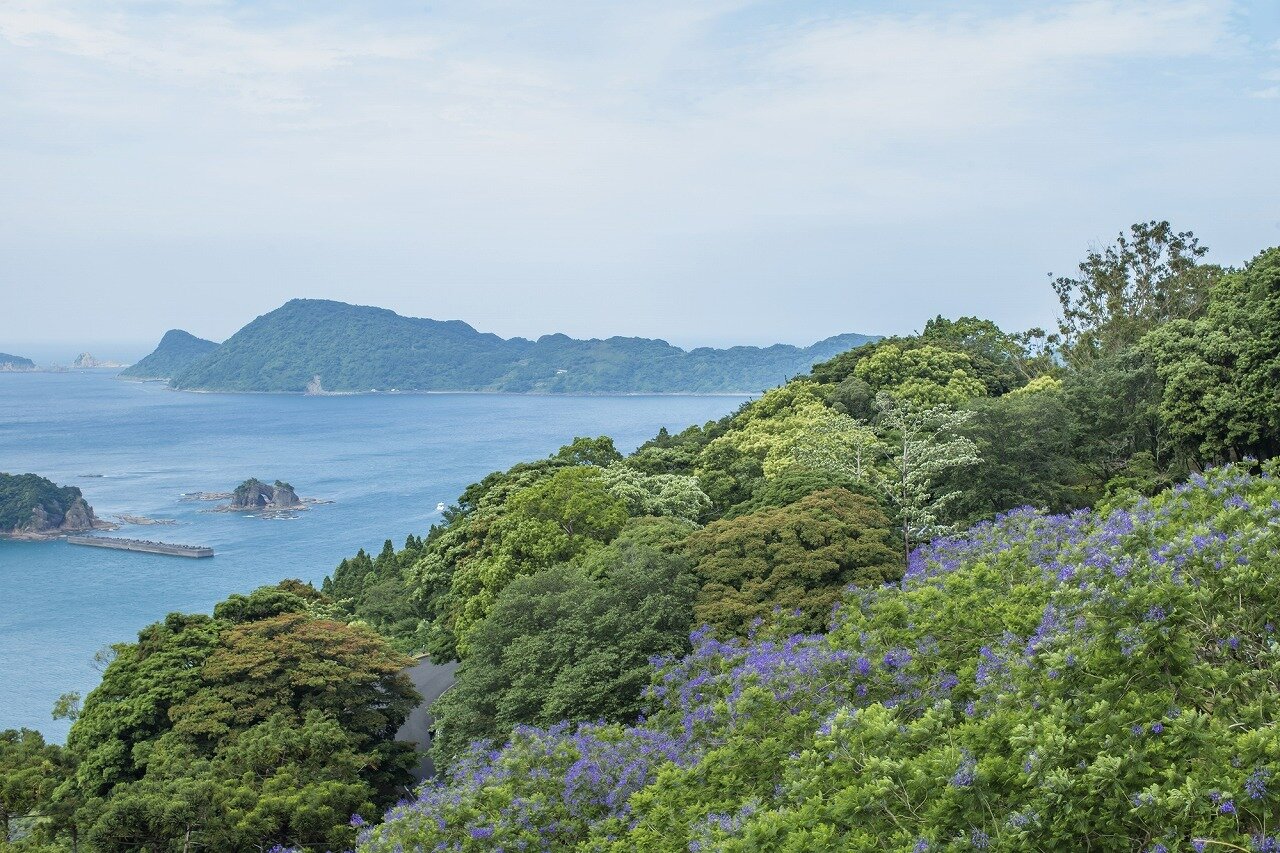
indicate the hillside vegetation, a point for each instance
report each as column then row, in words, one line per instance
column 176, row 351
column 31, row 503
column 267, row 723
column 358, row 348
column 960, row 590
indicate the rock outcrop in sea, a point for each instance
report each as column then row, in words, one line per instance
column 255, row 495
column 86, row 360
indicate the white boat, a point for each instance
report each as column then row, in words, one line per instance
column 440, row 507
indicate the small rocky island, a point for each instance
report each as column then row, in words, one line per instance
column 256, row 497
column 86, row 361
column 32, row 507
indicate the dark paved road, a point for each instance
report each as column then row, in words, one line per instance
column 431, row 679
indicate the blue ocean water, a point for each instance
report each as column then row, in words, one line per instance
column 385, row 461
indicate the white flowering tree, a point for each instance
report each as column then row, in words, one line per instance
column 919, row 444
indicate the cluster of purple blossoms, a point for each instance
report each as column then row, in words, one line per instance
column 1110, row 590
column 1256, row 785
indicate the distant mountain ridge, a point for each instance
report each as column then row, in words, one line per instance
column 313, row 344
column 177, row 351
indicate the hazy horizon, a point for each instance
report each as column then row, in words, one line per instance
column 716, row 173
column 49, row 352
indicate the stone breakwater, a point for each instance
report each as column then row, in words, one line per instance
column 142, row 545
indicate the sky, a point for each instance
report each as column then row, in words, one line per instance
column 710, row 173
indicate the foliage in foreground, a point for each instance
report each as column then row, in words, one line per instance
column 264, row 724
column 559, row 645
column 1103, row 682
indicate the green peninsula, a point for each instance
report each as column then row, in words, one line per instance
column 176, row 351
column 317, row 346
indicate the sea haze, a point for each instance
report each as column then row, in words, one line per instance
column 385, row 461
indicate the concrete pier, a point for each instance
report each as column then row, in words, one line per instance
column 142, row 545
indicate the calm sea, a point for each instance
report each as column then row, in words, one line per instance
column 385, row 461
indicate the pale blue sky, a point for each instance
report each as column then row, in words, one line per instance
column 713, row 172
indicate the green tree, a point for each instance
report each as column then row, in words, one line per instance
column 767, row 437
column 672, row 495
column 1025, row 441
column 559, row 518
column 262, row 603
column 1002, row 361
column 260, row 726
column 1148, row 277
column 798, row 557
column 379, row 593
column 826, row 441
column 676, row 454
column 130, row 707
column 30, row 770
column 922, row 443
column 1220, row 371
column 295, row 782
column 926, row 375
column 560, row 645
column 292, row 664
column 788, row 487
column 590, row 451
column 576, row 500
column 1113, row 415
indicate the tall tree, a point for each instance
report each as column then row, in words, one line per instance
column 30, row 769
column 798, row 557
column 1150, row 276
column 1221, row 371
column 921, row 444
column 260, row 726
column 560, row 645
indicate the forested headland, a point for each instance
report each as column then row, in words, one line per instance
column 964, row 589
column 319, row 346
column 176, row 351
column 34, row 506
column 15, row 362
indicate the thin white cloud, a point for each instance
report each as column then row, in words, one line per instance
column 883, row 66
column 480, row 139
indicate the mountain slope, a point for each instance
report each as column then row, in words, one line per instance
column 176, row 351
column 15, row 362
column 359, row 348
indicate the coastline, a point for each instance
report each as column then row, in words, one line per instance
column 55, row 534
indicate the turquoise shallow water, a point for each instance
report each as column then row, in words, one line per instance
column 385, row 461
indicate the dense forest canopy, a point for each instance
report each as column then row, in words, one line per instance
column 962, row 589
column 267, row 723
